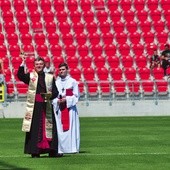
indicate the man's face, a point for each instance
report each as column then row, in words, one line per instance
column 39, row 66
column 63, row 72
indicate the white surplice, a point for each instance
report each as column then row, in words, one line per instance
column 68, row 141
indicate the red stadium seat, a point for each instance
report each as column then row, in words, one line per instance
column 127, row 61
column 53, row 38
column 129, row 15
column 94, row 38
column 56, row 50
column 10, row 89
column 119, row 27
column 110, row 49
column 142, row 15
column 119, row 88
column 22, row 89
column 144, row 73
column 32, row 5
column 70, row 50
column 58, row 5
column 75, row 16
column 149, row 37
column 141, row 61
column 8, row 16
column 116, row 74
column 107, row 38
column 124, row 49
column 102, row 73
column 75, row 73
column 113, row 61
column 99, row 61
column 73, row 61
column 26, row 39
column 45, row 5
column 158, row 73
column 121, row 38
column 16, row 61
column 97, row 50
column 106, row 89
column 3, row 50
column 85, row 5
column 115, row 15
column 112, row 5
column 67, row 39
column 2, row 38
column 86, row 62
column 135, row 37
column 88, row 16
column 102, row 16
column 130, row 74
column 42, row 50
column 39, row 39
column 50, row 27
column 161, row 87
column 23, row 28
column 81, row 89
column 138, row 49
column 152, row 5
column 147, row 87
column 72, row 5
column 133, row 87
column 92, row 89
column 92, row 27
column 78, row 28
column 9, row 27
column 132, row 27
column 14, row 50
column 7, row 73
column 21, row 16
column 159, row 26
column 35, row 16
column 83, row 50
column 139, row 5
column 19, row 5
column 89, row 74
column 81, row 39
column 48, row 16
column 61, row 16
column 6, row 5
column 125, row 5
column 146, row 27
column 64, row 27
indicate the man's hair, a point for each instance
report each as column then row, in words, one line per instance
column 39, row 59
column 63, row 65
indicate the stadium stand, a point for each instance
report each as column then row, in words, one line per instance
column 102, row 41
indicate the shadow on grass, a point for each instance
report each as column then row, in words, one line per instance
column 4, row 165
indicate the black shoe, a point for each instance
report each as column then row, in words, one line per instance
column 35, row 155
column 59, row 155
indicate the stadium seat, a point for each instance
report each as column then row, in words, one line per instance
column 7, row 73
column 110, row 49
column 141, row 61
column 42, row 50
column 89, row 74
column 107, row 38
column 91, row 28
column 50, row 27
column 67, row 39
column 121, row 38
column 88, row 16
column 14, row 50
column 5, row 62
column 97, row 50
column 45, row 5
column 102, row 16
column 142, row 15
column 86, row 61
column 73, row 61
column 81, row 39
column 116, row 74
column 139, row 5
column 23, row 28
column 106, row 89
column 138, row 49
column 155, row 14
column 22, row 89
column 165, row 5
column 35, row 16
column 129, row 15
column 161, row 87
column 57, row 60
column 9, row 27
column 83, row 50
column 2, row 38
column 119, row 88
column 152, row 5
column 104, row 27
column 32, row 5
column 81, row 89
column 39, row 39
column 158, row 73
column 70, row 50
column 127, row 61
column 118, row 27
column 19, row 5
column 37, row 27
column 135, row 37
column 53, row 38
column 10, row 89
column 48, row 16
column 61, row 16
column 149, row 37
column 3, row 50
column 134, row 88
column 16, row 61
column 102, row 73
column 147, row 87
column 72, row 5
column 64, row 27
column 125, row 5
column 115, row 16
column 78, row 28
column 130, row 74
column 99, row 61
column 75, row 73
column 6, row 5
column 144, row 73
column 75, row 16
column 124, row 49
column 85, row 5
column 132, row 27
column 92, row 90
column 12, row 39
column 113, row 61
column 58, row 5
column 7, row 16
column 159, row 26
column 112, row 5
column 21, row 16
column 26, row 39
column 99, row 5
column 56, row 50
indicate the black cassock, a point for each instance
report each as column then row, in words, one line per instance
column 36, row 133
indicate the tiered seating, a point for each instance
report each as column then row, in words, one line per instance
column 89, row 35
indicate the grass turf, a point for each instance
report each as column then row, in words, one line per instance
column 130, row 143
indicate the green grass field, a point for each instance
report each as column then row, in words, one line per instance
column 130, row 143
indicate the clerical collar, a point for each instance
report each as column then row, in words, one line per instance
column 65, row 78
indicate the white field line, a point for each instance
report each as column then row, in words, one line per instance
column 97, row 154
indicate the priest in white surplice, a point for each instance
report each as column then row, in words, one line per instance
column 65, row 110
